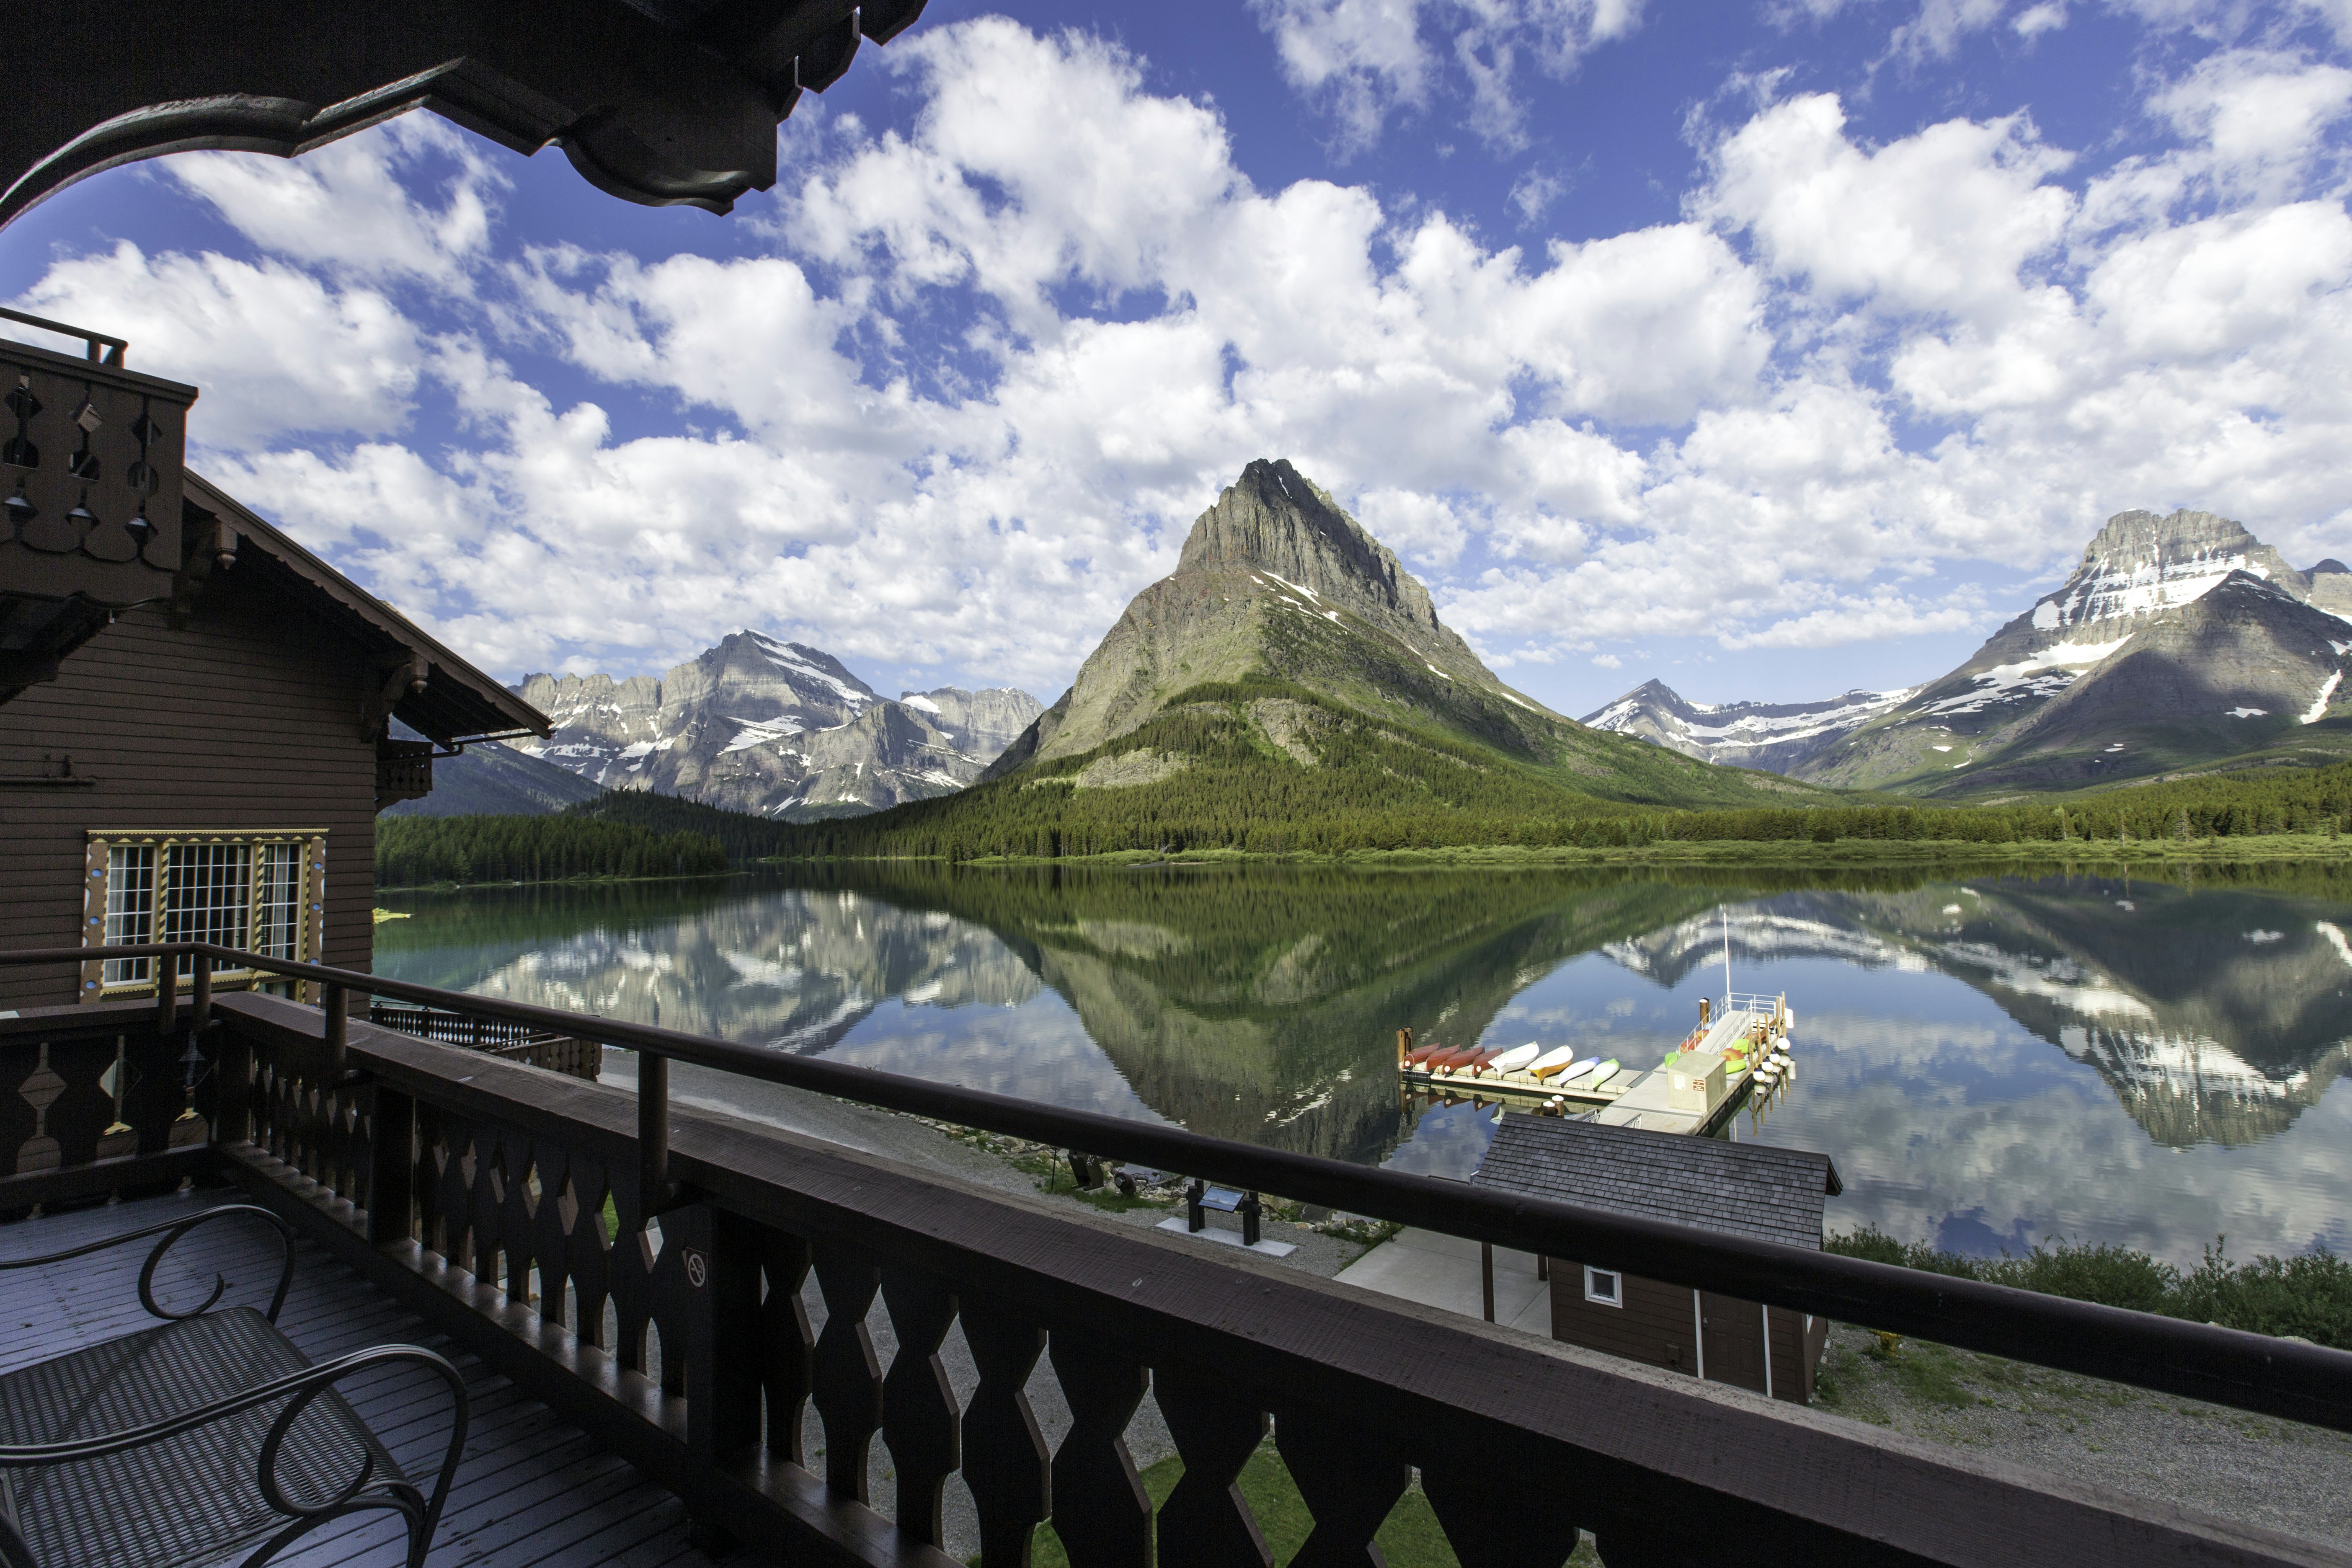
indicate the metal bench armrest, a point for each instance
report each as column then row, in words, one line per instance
column 171, row 1232
column 298, row 1389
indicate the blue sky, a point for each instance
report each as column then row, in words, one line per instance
column 1767, row 349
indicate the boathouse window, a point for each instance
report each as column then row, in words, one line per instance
column 260, row 891
column 1601, row 1285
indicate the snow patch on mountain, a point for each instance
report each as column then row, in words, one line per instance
column 763, row 734
column 2318, row 707
column 2045, row 674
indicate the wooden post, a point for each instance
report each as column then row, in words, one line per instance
column 722, row 1266
column 233, row 1073
column 167, row 993
column 1486, row 1276
column 1404, row 1045
column 653, row 1134
column 200, row 1010
column 392, row 1167
column 337, row 1031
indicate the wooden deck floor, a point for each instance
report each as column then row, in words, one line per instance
column 531, row 1489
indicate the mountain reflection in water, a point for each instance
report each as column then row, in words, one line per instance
column 1992, row 1060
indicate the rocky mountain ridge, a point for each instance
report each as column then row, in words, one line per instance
column 1297, row 638
column 1775, row 736
column 2177, row 640
column 780, row 728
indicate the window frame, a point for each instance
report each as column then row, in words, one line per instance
column 1616, row 1294
column 269, row 917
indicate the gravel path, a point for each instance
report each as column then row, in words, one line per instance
column 2250, row 1469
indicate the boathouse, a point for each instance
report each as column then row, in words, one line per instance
column 194, row 708
column 1739, row 1189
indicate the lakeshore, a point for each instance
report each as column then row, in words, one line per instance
column 1956, row 855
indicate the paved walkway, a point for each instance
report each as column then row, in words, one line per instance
column 1438, row 1270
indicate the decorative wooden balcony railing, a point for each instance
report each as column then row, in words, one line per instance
column 476, row 1189
column 515, row 1042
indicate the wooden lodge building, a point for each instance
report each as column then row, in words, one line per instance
column 1742, row 1189
column 195, row 710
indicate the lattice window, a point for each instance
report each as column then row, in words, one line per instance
column 277, row 900
column 130, row 909
column 208, row 895
column 262, row 892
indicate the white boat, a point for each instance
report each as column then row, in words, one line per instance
column 1603, row 1071
column 1571, row 1074
column 1552, row 1062
column 1514, row 1058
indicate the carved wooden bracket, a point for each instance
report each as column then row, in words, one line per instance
column 666, row 103
column 404, row 676
column 211, row 546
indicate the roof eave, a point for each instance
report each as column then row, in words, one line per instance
column 458, row 704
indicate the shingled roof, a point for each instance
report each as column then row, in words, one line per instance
column 1741, row 1189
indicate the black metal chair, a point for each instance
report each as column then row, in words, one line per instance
column 181, row 1443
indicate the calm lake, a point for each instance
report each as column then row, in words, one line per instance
column 1992, row 1061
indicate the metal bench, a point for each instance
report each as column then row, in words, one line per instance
column 208, row 1433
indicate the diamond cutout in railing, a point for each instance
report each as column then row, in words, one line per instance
column 530, row 1188
column 605, row 1220
column 468, row 1165
column 567, row 1203
column 439, row 1155
column 649, row 1242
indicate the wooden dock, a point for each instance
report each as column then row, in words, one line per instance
column 1628, row 1097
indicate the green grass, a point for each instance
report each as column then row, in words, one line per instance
column 1410, row 1539
column 1927, row 1372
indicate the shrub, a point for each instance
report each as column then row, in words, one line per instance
column 2309, row 1296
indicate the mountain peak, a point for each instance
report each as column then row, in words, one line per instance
column 1276, row 521
column 2141, row 563
column 2182, row 534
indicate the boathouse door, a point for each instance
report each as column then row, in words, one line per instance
column 1733, row 1335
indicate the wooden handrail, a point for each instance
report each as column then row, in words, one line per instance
column 2222, row 1366
column 117, row 346
column 1519, row 1443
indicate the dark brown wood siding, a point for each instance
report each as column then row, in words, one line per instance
column 1656, row 1325
column 247, row 720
